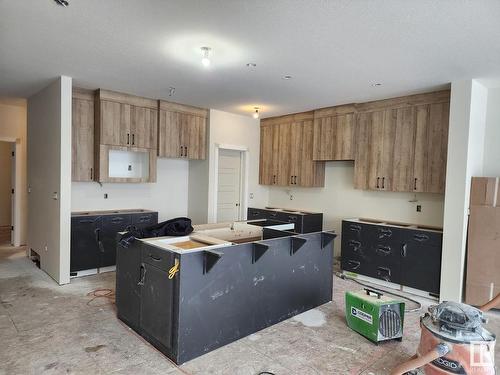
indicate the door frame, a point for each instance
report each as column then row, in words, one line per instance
column 245, row 167
column 16, row 213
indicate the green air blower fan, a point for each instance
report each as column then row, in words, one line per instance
column 375, row 316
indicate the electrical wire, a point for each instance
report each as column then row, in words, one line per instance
column 173, row 270
column 108, row 294
column 416, row 309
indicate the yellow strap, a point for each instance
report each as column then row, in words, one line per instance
column 173, row 271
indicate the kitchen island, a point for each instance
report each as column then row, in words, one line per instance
column 190, row 295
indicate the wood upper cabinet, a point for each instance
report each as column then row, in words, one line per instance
column 431, row 147
column 125, row 120
column 182, row 131
column 286, row 152
column 82, row 158
column 334, row 133
column 402, row 143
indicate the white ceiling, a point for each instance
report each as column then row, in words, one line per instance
column 335, row 50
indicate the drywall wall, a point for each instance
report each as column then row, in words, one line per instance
column 49, row 177
column 339, row 200
column 5, row 183
column 239, row 132
column 465, row 159
column 491, row 164
column 168, row 195
column 13, row 129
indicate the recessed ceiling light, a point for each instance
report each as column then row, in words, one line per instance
column 286, row 77
column 251, row 65
column 205, row 60
column 377, row 84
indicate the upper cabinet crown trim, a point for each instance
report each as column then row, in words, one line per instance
column 335, row 111
column 83, row 94
column 296, row 117
column 119, row 97
column 182, row 108
column 405, row 101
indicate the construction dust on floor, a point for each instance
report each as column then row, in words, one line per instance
column 73, row 329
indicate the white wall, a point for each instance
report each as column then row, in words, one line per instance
column 49, row 177
column 13, row 129
column 339, row 200
column 465, row 159
column 168, row 195
column 241, row 131
column 491, row 165
column 5, row 184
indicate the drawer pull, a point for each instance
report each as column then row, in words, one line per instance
column 142, row 274
column 420, row 237
column 117, row 220
column 355, row 244
column 383, row 250
column 292, row 218
column 355, row 228
column 384, row 273
column 142, row 219
column 353, row 264
column 403, row 250
column 384, row 233
column 154, row 258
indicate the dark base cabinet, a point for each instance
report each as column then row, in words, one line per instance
column 93, row 236
column 222, row 294
column 304, row 222
column 400, row 255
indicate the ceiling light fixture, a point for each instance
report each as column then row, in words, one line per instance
column 376, row 84
column 256, row 113
column 64, row 3
column 287, row 77
column 205, row 60
column 251, row 65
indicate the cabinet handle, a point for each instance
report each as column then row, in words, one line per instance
column 354, row 264
column 403, row 250
column 92, row 173
column 384, row 273
column 274, row 179
column 415, row 186
column 295, row 180
column 185, row 151
column 420, row 237
column 128, row 138
column 117, row 219
column 133, row 139
column 378, row 180
column 143, row 219
column 292, row 218
column 384, row 233
column 142, row 274
column 383, row 250
column 383, row 182
column 291, row 180
column 154, row 258
column 355, row 244
column 355, row 228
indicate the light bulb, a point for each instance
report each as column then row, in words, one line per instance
column 205, row 60
column 256, row 113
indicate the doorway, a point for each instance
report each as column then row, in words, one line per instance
column 7, row 183
column 229, row 185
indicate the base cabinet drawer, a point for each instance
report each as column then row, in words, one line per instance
column 399, row 255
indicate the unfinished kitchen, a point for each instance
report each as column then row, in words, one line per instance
column 249, row 188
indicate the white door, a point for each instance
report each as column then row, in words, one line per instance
column 13, row 195
column 229, row 186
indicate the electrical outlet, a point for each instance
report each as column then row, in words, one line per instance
column 105, row 195
column 251, row 195
column 419, row 208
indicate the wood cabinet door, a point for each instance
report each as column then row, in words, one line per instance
column 82, row 158
column 404, row 149
column 362, row 159
column 431, row 147
column 309, row 173
column 193, row 136
column 375, row 150
column 295, row 153
column 169, row 145
column 266, row 170
column 114, row 123
column 282, row 154
column 386, row 156
column 144, row 127
column 334, row 138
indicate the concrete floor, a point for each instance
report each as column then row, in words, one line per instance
column 49, row 329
